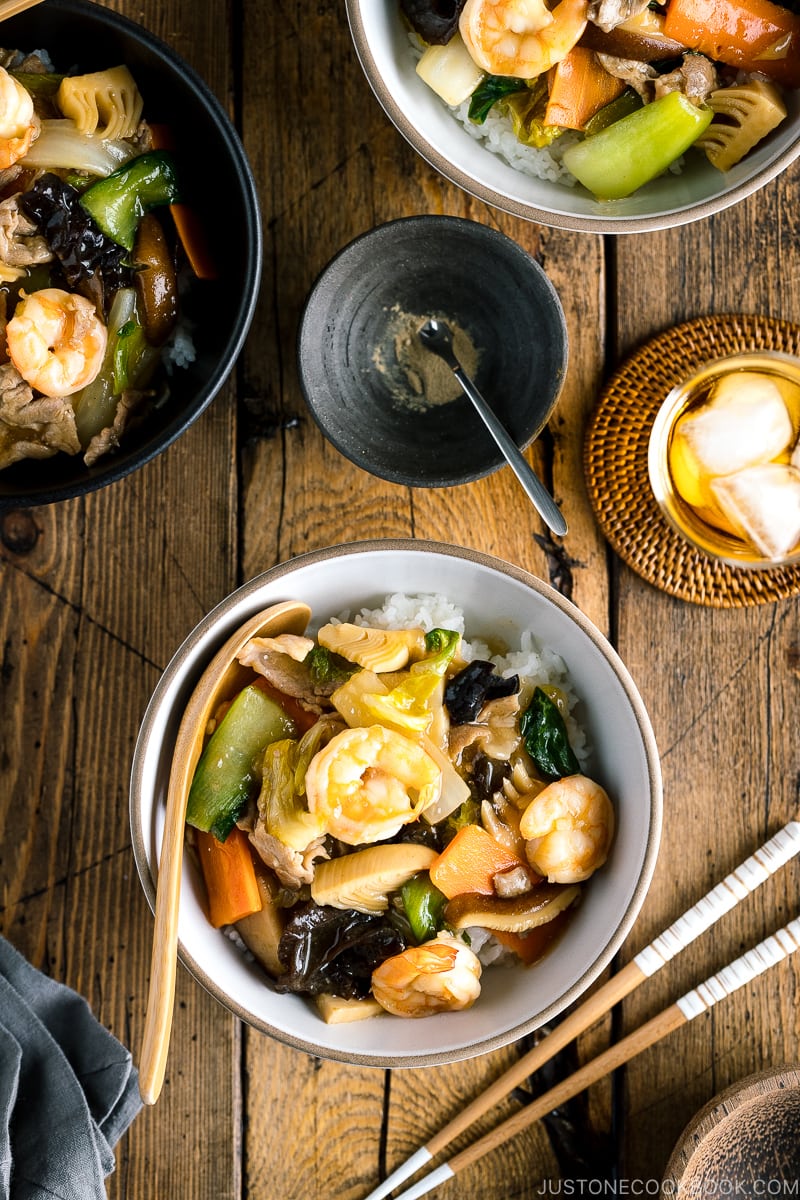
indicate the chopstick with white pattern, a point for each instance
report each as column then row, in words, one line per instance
column 754, row 871
column 724, row 983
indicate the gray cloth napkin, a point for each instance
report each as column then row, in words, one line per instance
column 68, row 1089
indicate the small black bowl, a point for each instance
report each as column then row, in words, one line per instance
column 216, row 181
column 478, row 280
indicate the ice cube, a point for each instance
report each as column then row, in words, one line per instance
column 745, row 422
column 764, row 502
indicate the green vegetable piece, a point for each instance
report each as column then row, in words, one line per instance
column 229, row 770
column 468, row 813
column 629, row 102
column 410, row 701
column 424, row 906
column 128, row 350
column 281, row 801
column 441, row 645
column 526, row 111
column 487, row 93
column 327, row 667
column 628, row 154
column 77, row 180
column 546, row 740
column 118, row 202
column 42, row 85
column 128, row 362
column 96, row 404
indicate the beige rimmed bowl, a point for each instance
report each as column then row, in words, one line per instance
column 382, row 45
column 499, row 600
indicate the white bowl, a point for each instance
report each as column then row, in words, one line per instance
column 498, row 600
column 382, row 45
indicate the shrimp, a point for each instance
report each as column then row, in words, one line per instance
column 56, row 341
column 440, row 976
column 522, row 38
column 18, row 122
column 568, row 828
column 369, row 782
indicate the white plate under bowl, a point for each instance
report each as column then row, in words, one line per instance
column 499, row 600
column 382, row 44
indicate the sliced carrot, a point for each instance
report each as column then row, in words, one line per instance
column 579, row 86
column 162, row 137
column 261, row 931
column 188, row 226
column 192, row 234
column 753, row 35
column 470, row 862
column 532, row 946
column 230, row 877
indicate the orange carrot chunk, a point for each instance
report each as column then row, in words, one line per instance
column 753, row 35
column 470, row 862
column 579, row 88
column 532, row 946
column 230, row 877
column 192, row 235
column 188, row 226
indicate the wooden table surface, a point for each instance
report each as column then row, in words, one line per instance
column 98, row 593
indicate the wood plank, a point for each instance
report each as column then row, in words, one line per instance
column 333, row 185
column 186, row 554
column 98, row 594
column 298, row 494
column 313, row 1126
column 713, row 683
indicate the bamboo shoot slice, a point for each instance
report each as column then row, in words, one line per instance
column 365, row 879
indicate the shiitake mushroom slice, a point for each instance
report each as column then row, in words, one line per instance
column 514, row 914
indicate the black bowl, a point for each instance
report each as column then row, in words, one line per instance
column 216, row 181
column 475, row 278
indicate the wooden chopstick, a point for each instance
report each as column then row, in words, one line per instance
column 754, row 871
column 10, row 8
column 724, row 983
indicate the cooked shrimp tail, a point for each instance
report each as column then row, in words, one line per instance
column 521, row 38
column 568, row 827
column 442, row 975
column 19, row 125
column 56, row 341
column 369, row 782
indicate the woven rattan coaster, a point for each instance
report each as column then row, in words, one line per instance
column 615, row 461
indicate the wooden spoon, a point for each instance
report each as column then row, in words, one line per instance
column 220, row 680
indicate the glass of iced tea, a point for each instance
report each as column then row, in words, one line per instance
column 724, row 459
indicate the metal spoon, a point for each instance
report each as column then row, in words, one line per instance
column 219, row 682
column 438, row 338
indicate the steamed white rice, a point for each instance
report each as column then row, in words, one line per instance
column 497, row 135
column 535, row 663
column 180, row 351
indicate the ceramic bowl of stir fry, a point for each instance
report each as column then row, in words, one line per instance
column 125, row 294
column 422, row 825
column 612, row 116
